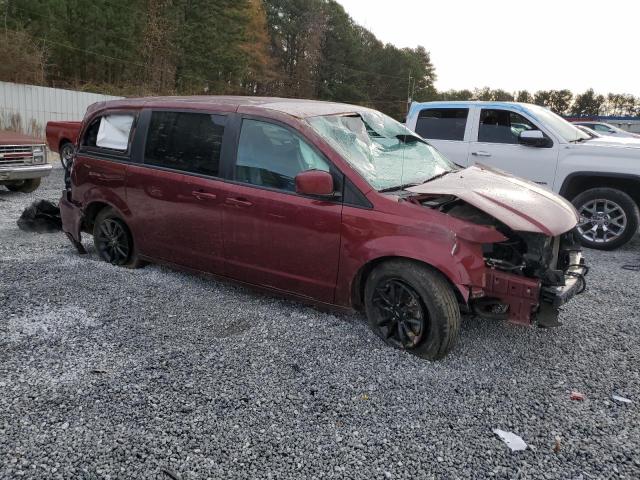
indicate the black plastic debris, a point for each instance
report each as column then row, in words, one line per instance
column 41, row 216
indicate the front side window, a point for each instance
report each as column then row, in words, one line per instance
column 386, row 153
column 111, row 132
column 442, row 123
column 185, row 141
column 502, row 126
column 271, row 156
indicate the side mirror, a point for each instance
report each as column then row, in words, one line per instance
column 533, row 138
column 315, row 182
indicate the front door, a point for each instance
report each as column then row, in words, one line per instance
column 274, row 237
column 495, row 143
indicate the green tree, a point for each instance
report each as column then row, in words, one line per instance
column 559, row 101
column 587, row 104
column 523, row 96
column 454, row 95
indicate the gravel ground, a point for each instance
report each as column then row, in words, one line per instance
column 152, row 373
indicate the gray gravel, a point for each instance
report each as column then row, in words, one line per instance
column 113, row 373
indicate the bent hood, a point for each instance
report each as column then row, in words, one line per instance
column 519, row 204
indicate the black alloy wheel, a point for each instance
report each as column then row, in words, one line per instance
column 400, row 314
column 113, row 241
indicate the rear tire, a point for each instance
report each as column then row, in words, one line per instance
column 113, row 240
column 609, row 218
column 422, row 316
column 25, row 186
column 66, row 154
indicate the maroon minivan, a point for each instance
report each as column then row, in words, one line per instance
column 333, row 203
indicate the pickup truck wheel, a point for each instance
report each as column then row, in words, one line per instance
column 25, row 186
column 609, row 218
column 412, row 307
column 66, row 154
column 113, row 240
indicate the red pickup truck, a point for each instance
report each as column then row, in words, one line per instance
column 61, row 138
column 23, row 162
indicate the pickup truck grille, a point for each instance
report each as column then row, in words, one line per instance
column 15, row 155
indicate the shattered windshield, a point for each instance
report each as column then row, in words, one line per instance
column 386, row 153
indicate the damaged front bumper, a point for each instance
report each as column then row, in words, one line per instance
column 524, row 300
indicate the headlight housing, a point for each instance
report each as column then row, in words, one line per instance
column 39, row 154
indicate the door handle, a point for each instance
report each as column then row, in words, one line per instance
column 481, row 154
column 240, row 202
column 202, row 195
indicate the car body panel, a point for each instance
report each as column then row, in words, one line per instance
column 521, row 205
column 59, row 133
column 550, row 167
column 22, row 157
column 314, row 248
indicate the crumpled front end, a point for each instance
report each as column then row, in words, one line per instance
column 529, row 276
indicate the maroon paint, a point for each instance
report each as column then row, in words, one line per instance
column 59, row 132
column 314, row 182
column 14, row 138
column 310, row 247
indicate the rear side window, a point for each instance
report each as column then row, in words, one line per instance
column 190, row 142
column 110, row 132
column 442, row 123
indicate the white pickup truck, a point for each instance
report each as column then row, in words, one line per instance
column 600, row 176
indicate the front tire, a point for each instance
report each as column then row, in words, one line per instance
column 113, row 240
column 412, row 307
column 25, row 186
column 609, row 218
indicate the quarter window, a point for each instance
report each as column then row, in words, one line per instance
column 110, row 132
column 190, row 142
column 271, row 156
column 502, row 126
column 442, row 123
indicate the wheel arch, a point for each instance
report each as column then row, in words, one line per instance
column 62, row 142
column 360, row 279
column 578, row 182
column 93, row 209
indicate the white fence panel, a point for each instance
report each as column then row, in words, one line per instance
column 28, row 108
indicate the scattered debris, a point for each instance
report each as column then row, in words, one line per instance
column 620, row 399
column 575, row 395
column 513, row 441
column 556, row 446
column 41, row 216
column 171, row 474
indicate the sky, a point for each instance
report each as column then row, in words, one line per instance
column 516, row 45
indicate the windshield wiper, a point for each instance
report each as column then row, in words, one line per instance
column 398, row 187
column 408, row 138
column 407, row 185
column 440, row 175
